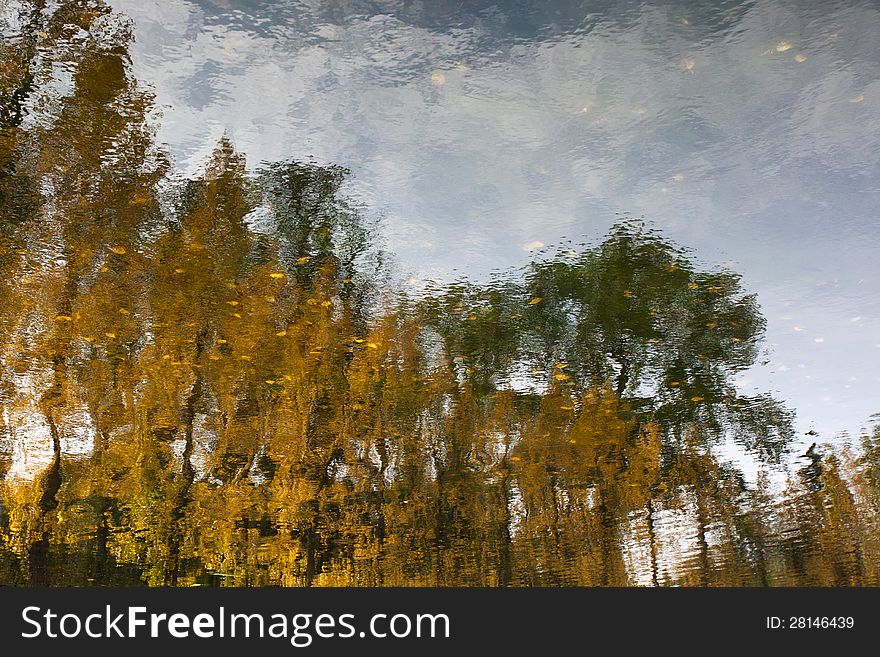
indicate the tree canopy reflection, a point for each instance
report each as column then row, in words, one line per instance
column 207, row 381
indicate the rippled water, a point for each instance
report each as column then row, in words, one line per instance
column 391, row 293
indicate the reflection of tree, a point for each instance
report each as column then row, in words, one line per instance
column 212, row 390
column 633, row 313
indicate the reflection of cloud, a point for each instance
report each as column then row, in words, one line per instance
column 31, row 440
column 474, row 136
column 30, row 435
column 364, row 91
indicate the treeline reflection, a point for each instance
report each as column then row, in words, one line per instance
column 209, row 382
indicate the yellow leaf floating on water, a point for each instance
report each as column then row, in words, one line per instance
column 214, row 357
column 245, row 358
column 359, row 340
column 179, row 270
column 673, row 384
column 269, row 299
column 103, row 270
column 535, row 301
column 281, row 334
column 628, row 294
column 693, row 286
column 560, row 376
column 782, row 46
column 326, row 304
column 712, row 325
column 233, row 303
column 277, row 274
column 560, row 366
column 696, row 399
column 303, row 260
column 573, row 441
column 236, row 315
column 471, row 317
column 124, row 311
column 515, row 459
column 800, row 58
column 566, row 408
column 110, row 335
column 372, row 345
column 118, row 250
column 221, row 341
column 270, row 381
column 63, row 318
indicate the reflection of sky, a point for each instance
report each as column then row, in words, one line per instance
column 749, row 133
